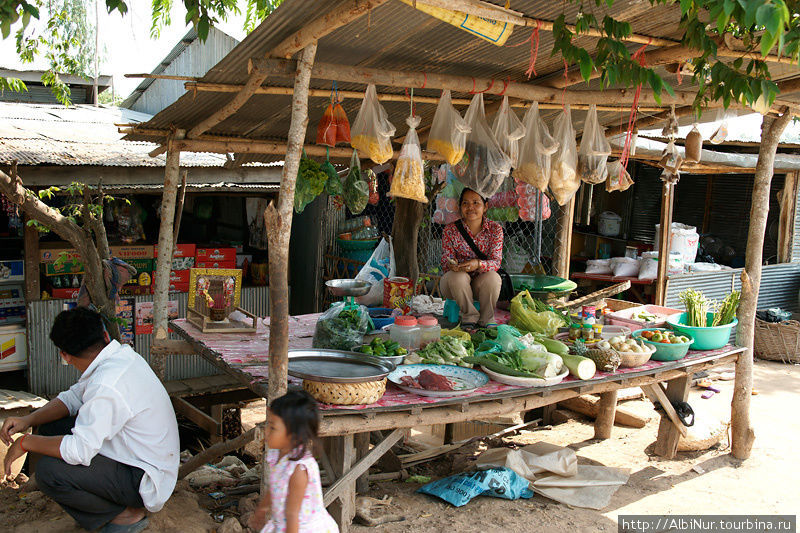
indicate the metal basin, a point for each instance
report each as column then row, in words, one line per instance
column 335, row 366
column 348, row 287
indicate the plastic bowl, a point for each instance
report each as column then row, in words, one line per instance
column 711, row 338
column 376, row 312
column 664, row 352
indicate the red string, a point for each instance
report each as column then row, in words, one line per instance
column 534, row 50
column 505, row 86
column 491, row 84
column 638, row 56
column 678, row 74
column 473, row 87
column 425, row 80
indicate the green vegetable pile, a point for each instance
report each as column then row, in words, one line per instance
column 698, row 306
column 529, row 314
column 522, row 363
column 447, row 351
column 356, row 189
column 341, row 328
column 311, row 180
column 383, row 348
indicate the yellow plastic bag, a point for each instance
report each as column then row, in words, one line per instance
column 448, row 131
column 372, row 132
column 408, row 180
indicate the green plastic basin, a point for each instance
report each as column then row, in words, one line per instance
column 664, row 352
column 711, row 338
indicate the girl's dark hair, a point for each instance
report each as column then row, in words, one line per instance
column 300, row 415
column 461, row 196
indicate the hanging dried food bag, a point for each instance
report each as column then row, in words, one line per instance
column 449, row 131
column 485, row 165
column 311, row 181
column 694, row 145
column 618, row 177
column 372, row 182
column 594, row 151
column 342, row 124
column 408, row 180
column 356, row 190
column 508, row 130
column 536, row 151
column 326, row 129
column 564, row 180
column 372, row 131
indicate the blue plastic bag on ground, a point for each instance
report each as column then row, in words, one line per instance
column 461, row 488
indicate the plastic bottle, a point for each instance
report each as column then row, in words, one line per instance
column 354, row 224
column 430, row 330
column 405, row 332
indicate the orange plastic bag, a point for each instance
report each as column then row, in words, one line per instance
column 327, row 128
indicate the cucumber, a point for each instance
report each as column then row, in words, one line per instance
column 580, row 367
column 554, row 346
column 500, row 368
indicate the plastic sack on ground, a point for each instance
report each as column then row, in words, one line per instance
column 356, row 189
column 524, row 316
column 372, row 132
column 536, row 151
column 598, row 266
column 380, row 266
column 340, row 328
column 408, row 180
column 461, row 488
column 311, row 180
column 618, row 177
column 508, row 130
column 564, row 180
column 448, row 135
column 594, row 151
column 486, row 165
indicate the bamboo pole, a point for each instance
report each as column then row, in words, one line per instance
column 563, row 248
column 165, row 249
column 667, row 197
column 742, row 434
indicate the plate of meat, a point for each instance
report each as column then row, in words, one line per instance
column 437, row 380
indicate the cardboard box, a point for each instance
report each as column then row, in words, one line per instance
column 173, row 287
column 138, row 251
column 178, row 263
column 144, row 272
column 12, row 270
column 179, row 276
column 13, row 348
column 12, row 310
column 66, row 294
column 216, row 255
column 11, row 292
column 181, row 250
column 50, row 251
column 182, row 259
column 216, row 264
column 135, row 290
column 57, row 268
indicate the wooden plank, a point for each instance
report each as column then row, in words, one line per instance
column 362, row 449
column 667, row 198
column 195, row 415
column 670, row 432
column 788, row 204
column 589, row 406
column 339, row 488
column 342, row 507
column 657, row 394
column 33, row 291
column 606, row 410
column 171, row 347
column 216, row 415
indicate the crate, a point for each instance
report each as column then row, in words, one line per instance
column 778, row 341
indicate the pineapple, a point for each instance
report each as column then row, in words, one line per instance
column 606, row 360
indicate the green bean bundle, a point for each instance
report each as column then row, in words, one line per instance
column 727, row 309
column 697, row 307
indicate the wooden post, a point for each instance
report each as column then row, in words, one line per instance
column 165, row 250
column 31, row 247
column 362, row 448
column 667, row 195
column 742, row 434
column 668, row 434
column 342, row 454
column 788, row 205
column 563, row 248
column 606, row 411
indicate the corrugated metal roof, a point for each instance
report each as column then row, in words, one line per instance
column 44, row 134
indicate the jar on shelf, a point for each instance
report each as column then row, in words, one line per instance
column 405, row 332
column 430, row 330
column 574, row 331
column 587, row 333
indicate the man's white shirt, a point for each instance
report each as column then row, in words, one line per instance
column 124, row 413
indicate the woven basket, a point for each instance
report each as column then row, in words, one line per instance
column 618, row 305
column 777, row 341
column 346, row 393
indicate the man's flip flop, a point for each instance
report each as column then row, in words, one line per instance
column 130, row 528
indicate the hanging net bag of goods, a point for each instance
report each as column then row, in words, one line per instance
column 564, row 180
column 408, row 180
column 356, row 188
column 311, row 180
column 508, row 130
column 449, row 131
column 594, row 152
column 334, row 127
column 372, row 132
column 485, row 165
column 536, row 152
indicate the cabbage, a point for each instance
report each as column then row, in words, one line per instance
column 525, row 318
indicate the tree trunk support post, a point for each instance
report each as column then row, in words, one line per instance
column 668, row 434
column 165, row 249
column 665, row 234
column 31, row 236
column 606, row 411
column 742, row 434
column 788, row 207
column 563, row 249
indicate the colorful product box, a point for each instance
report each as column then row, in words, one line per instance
column 144, row 272
column 183, row 258
column 216, row 255
column 216, row 264
column 67, row 266
column 12, row 310
column 138, row 251
column 66, row 294
column 12, row 270
column 51, row 251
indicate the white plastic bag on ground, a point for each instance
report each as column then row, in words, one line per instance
column 625, row 267
column 486, row 165
column 408, row 180
column 536, row 151
column 449, row 131
column 508, row 130
column 372, row 132
column 564, row 180
column 380, row 265
column 683, row 239
column 594, row 151
column 598, row 266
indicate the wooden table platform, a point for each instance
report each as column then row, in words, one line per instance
column 347, row 428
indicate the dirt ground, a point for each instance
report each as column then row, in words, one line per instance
column 760, row 485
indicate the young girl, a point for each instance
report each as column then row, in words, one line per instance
column 294, row 502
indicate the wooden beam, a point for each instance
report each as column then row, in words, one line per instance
column 196, row 415
column 217, row 450
column 171, row 347
column 341, row 15
column 342, row 454
column 162, row 77
column 467, row 84
column 589, row 406
column 788, row 204
column 667, row 198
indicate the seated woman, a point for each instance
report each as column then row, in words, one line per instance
column 473, row 250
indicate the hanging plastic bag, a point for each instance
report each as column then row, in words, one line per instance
column 334, row 127
column 372, row 132
column 408, row 180
column 342, row 327
column 334, row 186
column 618, row 177
column 380, row 266
column 485, row 166
column 594, row 151
column 311, row 181
column 356, row 190
column 449, row 131
column 536, row 151
column 508, row 130
column 564, row 180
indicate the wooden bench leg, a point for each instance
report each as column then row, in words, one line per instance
column 342, row 454
column 606, row 411
column 668, row 434
column 362, row 448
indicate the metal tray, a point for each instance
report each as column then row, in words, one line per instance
column 334, row 366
